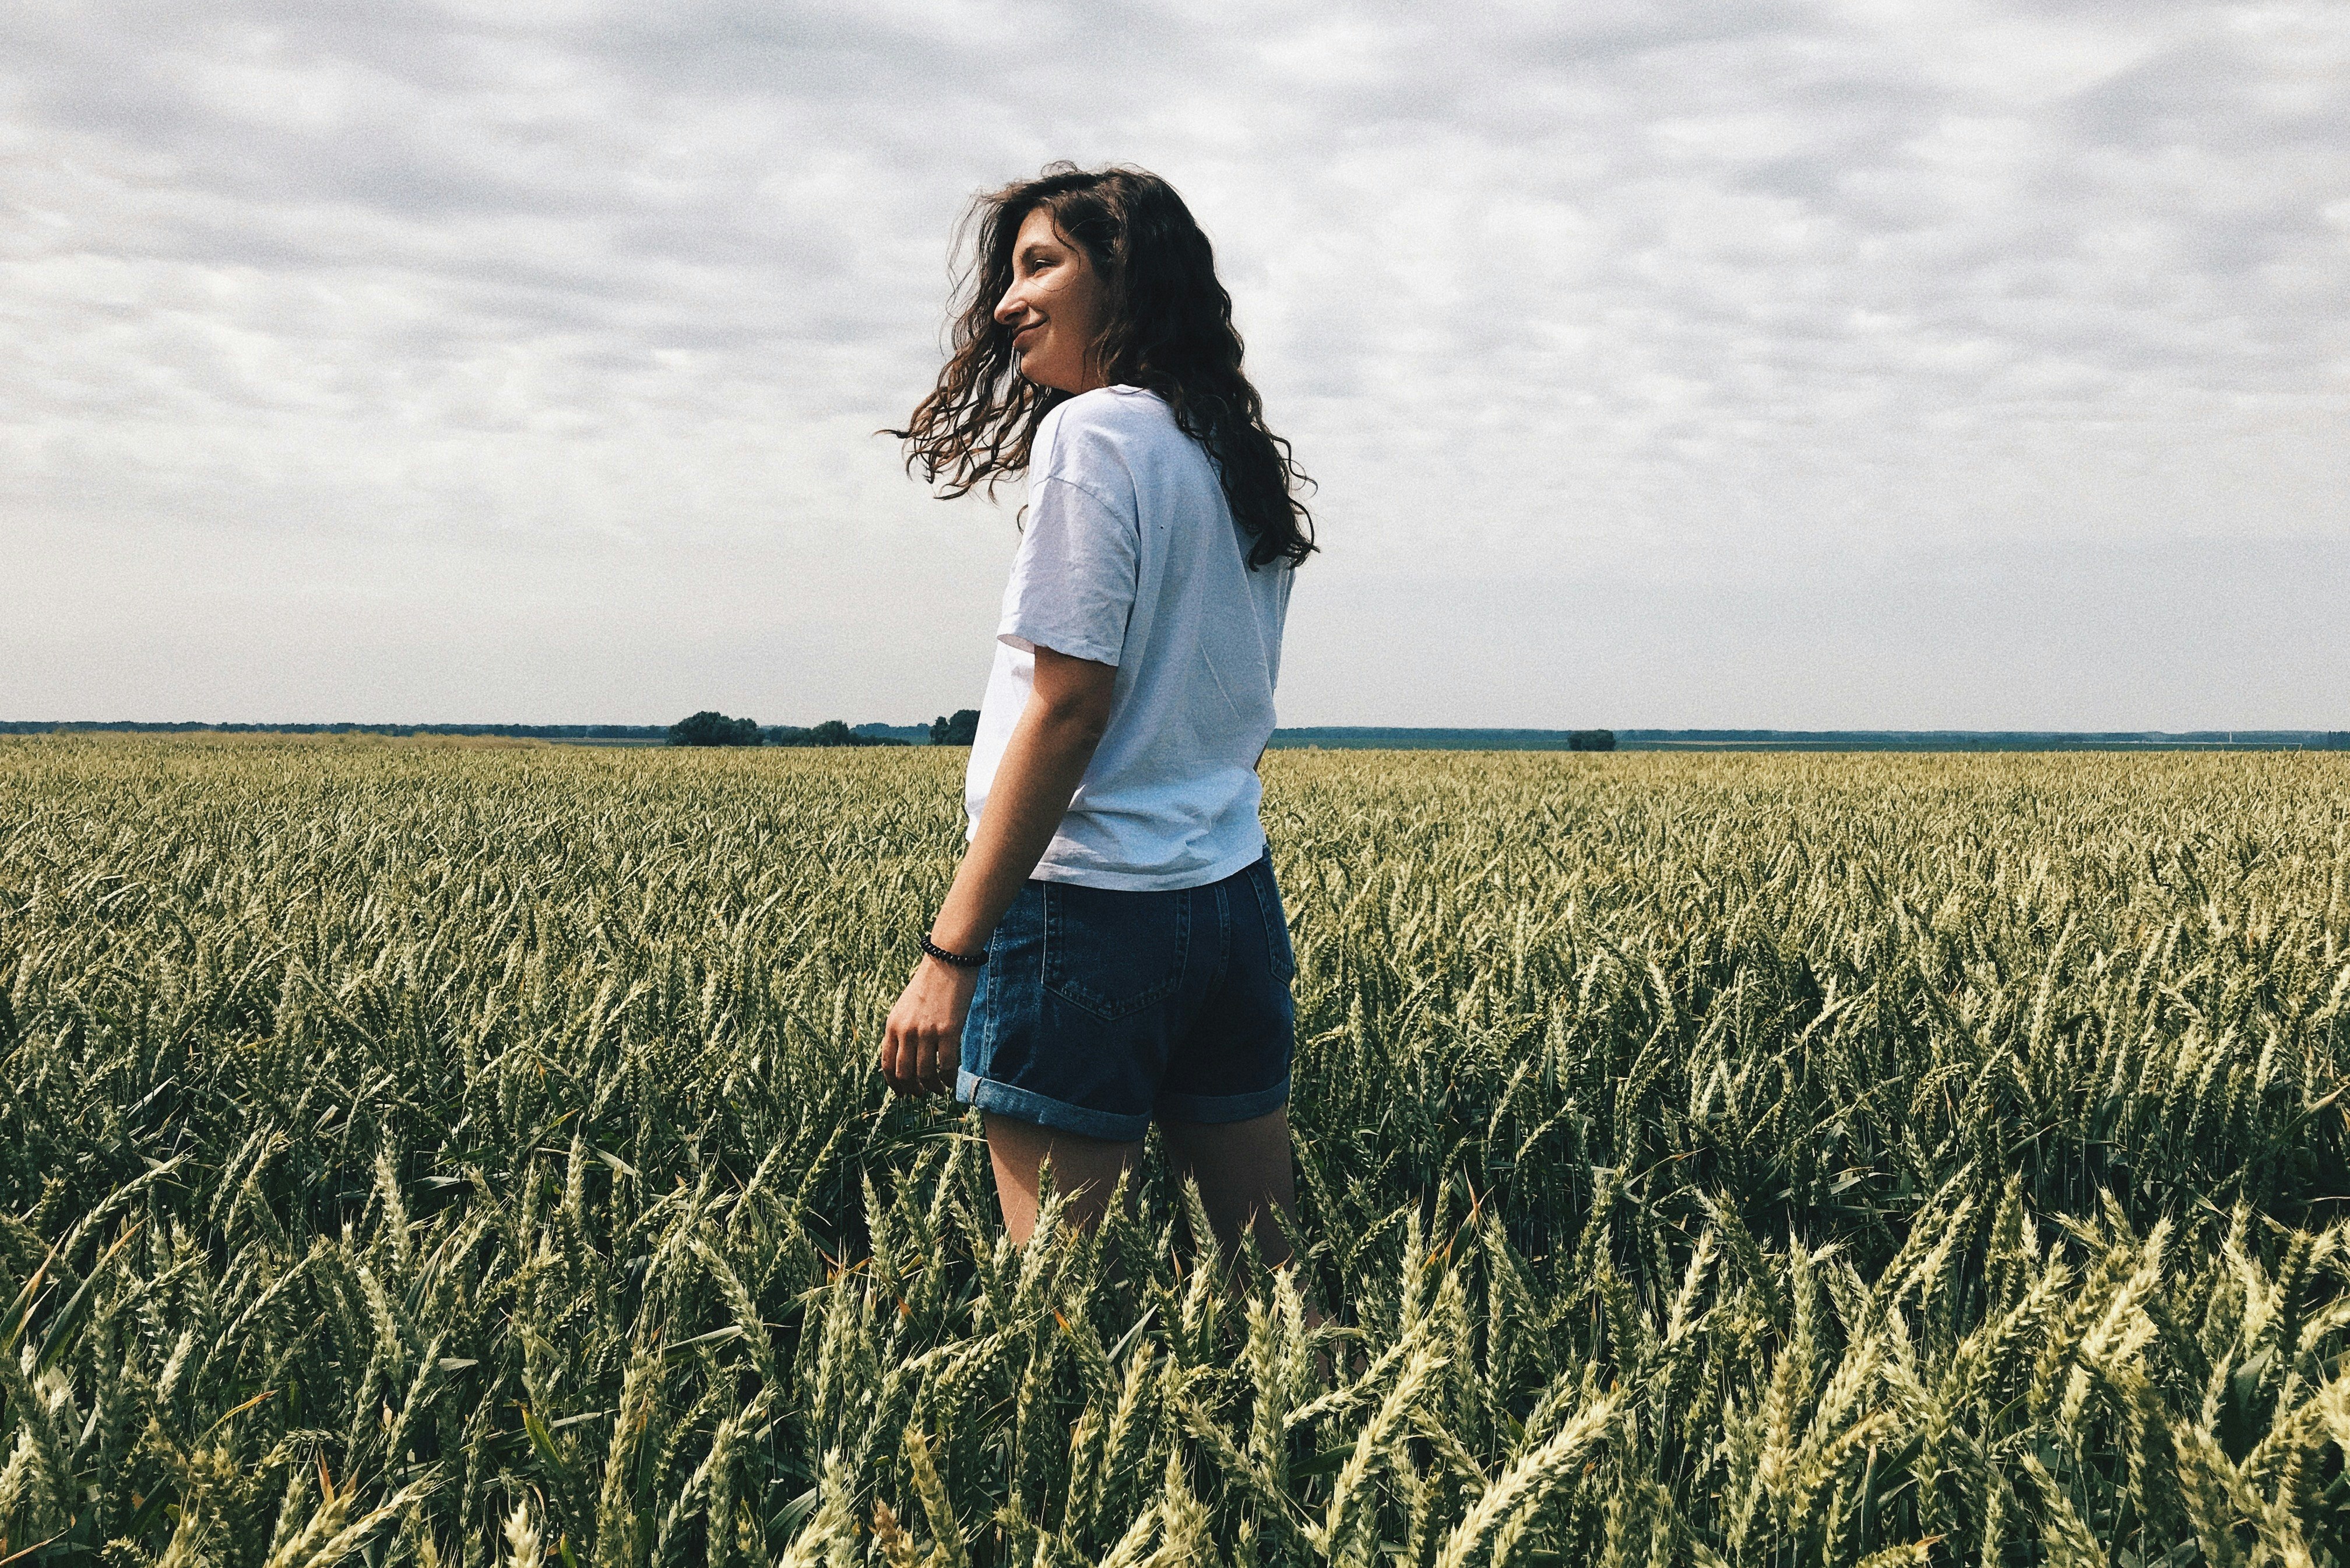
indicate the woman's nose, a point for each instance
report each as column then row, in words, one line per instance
column 1009, row 306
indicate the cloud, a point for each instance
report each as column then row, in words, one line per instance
column 601, row 305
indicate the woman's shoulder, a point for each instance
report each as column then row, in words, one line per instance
column 1126, row 412
column 1094, row 438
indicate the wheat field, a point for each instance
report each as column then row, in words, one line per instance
column 471, row 1155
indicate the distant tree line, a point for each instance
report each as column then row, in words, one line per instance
column 960, row 728
column 831, row 733
column 193, row 726
column 709, row 728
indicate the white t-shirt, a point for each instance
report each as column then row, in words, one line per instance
column 1129, row 556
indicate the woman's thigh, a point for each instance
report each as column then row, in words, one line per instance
column 1244, row 1173
column 1084, row 1170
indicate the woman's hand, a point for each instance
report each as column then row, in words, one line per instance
column 921, row 1045
column 1068, row 709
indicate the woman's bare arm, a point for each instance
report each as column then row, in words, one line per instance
column 1068, row 709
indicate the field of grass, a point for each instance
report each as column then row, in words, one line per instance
column 455, row 1155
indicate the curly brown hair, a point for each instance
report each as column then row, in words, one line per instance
column 1168, row 327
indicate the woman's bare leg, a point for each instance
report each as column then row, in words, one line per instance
column 1084, row 1172
column 1244, row 1173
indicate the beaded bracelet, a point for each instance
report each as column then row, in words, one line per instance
column 959, row 960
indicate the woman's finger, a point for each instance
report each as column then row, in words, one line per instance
column 895, row 1064
column 936, row 1059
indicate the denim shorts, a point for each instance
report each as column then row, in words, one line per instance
column 1099, row 1009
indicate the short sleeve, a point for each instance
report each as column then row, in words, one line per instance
column 1073, row 580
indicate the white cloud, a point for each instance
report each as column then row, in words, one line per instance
column 522, row 362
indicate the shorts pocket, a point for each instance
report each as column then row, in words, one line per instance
column 1278, row 951
column 1113, row 952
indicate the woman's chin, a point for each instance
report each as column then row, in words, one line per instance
column 1043, row 375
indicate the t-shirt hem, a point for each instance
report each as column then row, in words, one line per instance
column 1028, row 637
column 1149, row 881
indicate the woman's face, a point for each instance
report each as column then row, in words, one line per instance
column 1054, row 307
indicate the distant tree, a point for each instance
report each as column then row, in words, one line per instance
column 714, row 729
column 1591, row 740
column 961, row 729
column 831, row 733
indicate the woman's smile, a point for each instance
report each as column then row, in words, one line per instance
column 1054, row 286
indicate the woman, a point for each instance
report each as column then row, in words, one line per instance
column 1113, row 951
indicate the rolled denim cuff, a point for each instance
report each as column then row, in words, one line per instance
column 1223, row 1108
column 1026, row 1106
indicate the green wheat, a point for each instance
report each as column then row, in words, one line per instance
column 471, row 1156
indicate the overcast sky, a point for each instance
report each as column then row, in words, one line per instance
column 1886, row 364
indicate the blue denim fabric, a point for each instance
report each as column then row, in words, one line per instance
column 1099, row 1009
